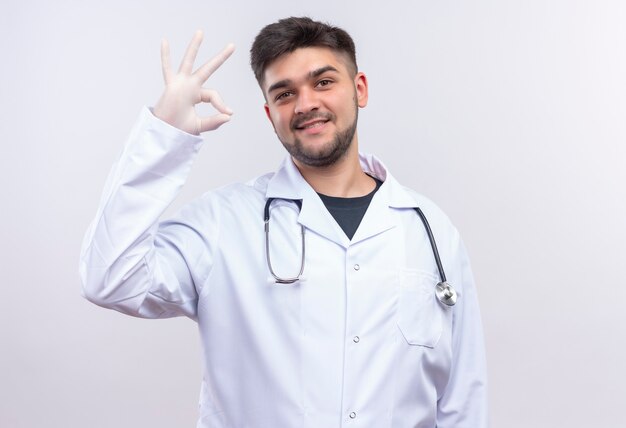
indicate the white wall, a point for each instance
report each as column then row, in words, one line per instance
column 509, row 114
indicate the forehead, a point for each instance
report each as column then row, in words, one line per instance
column 296, row 65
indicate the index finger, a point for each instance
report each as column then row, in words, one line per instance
column 209, row 67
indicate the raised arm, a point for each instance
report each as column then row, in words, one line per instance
column 129, row 262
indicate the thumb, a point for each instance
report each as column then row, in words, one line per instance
column 213, row 122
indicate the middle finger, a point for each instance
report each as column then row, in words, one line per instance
column 209, row 67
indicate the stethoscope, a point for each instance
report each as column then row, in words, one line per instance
column 444, row 291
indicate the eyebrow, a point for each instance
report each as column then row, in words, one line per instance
column 311, row 75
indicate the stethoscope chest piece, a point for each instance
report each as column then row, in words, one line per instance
column 446, row 294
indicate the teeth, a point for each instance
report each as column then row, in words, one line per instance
column 314, row 124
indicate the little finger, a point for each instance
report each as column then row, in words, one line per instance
column 165, row 60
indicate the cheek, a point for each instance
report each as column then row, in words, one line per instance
column 280, row 120
column 347, row 101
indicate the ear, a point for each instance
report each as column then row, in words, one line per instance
column 360, row 83
column 268, row 114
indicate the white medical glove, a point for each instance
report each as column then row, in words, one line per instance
column 183, row 90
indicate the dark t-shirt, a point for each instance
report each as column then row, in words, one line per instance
column 348, row 212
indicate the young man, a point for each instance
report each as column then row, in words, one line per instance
column 332, row 318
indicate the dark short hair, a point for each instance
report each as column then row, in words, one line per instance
column 289, row 34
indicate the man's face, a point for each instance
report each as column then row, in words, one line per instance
column 312, row 102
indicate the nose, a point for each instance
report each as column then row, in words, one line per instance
column 307, row 100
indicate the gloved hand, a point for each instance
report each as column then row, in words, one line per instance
column 183, row 90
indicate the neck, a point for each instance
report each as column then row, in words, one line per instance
column 344, row 178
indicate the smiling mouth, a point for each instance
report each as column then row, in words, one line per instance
column 312, row 124
column 311, row 120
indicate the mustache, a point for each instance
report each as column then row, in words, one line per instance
column 307, row 117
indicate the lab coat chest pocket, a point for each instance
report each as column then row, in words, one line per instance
column 419, row 314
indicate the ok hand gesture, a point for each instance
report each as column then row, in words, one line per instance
column 183, row 90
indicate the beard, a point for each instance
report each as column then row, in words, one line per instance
column 328, row 153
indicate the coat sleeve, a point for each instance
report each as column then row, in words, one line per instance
column 464, row 401
column 129, row 262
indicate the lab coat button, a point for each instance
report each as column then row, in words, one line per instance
column 356, row 339
column 357, row 267
column 352, row 415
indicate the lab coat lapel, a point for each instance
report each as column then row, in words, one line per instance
column 381, row 215
column 316, row 217
column 378, row 218
column 288, row 183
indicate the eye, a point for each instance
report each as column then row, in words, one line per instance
column 324, row 82
column 283, row 95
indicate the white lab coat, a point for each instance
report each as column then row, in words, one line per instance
column 360, row 341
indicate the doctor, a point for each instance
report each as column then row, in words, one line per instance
column 358, row 338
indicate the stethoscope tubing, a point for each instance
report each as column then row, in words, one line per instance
column 266, row 220
column 444, row 291
column 433, row 244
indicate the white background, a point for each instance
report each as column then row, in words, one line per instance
column 509, row 114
